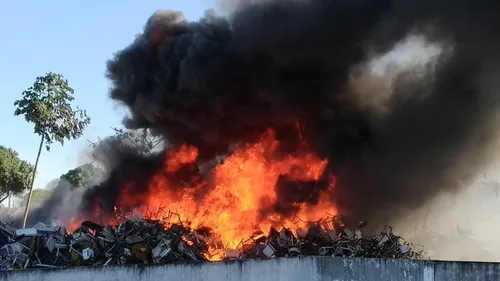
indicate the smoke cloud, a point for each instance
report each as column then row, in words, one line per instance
column 394, row 141
column 59, row 208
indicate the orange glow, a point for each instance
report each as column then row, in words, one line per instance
column 231, row 201
column 73, row 224
column 185, row 155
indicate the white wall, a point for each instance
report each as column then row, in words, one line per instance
column 297, row 269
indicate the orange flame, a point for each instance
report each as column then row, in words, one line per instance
column 241, row 188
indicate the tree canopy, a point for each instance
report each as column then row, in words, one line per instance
column 46, row 104
column 142, row 140
column 15, row 174
column 83, row 176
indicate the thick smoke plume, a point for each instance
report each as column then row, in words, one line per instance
column 222, row 81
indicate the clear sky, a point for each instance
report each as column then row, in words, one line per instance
column 74, row 38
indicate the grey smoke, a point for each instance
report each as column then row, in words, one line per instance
column 59, row 208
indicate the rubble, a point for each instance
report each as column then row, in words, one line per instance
column 140, row 240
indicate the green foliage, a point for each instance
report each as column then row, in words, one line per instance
column 15, row 174
column 83, row 176
column 46, row 104
column 38, row 197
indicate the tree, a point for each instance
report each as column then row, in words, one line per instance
column 15, row 173
column 83, row 176
column 143, row 140
column 46, row 104
column 38, row 197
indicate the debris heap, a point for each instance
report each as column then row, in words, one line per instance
column 139, row 240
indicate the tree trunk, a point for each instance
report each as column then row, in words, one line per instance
column 28, row 202
column 3, row 198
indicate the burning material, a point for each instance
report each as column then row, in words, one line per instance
column 139, row 240
column 256, row 186
column 294, row 140
column 296, row 136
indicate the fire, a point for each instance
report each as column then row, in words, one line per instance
column 240, row 195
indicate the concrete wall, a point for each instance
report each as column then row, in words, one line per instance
column 297, row 269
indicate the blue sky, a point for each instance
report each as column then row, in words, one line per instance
column 74, row 38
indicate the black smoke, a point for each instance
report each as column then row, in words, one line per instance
column 222, row 81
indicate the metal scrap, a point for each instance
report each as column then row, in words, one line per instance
column 139, row 240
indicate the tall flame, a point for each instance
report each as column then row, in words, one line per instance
column 239, row 197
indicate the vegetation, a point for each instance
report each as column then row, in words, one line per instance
column 143, row 140
column 47, row 106
column 83, row 176
column 15, row 174
column 37, row 197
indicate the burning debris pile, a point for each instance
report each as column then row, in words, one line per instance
column 297, row 137
column 278, row 90
column 139, row 240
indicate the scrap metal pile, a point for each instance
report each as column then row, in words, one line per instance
column 140, row 240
